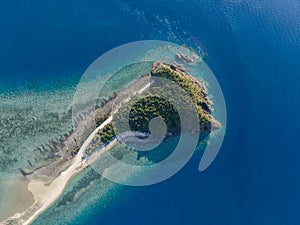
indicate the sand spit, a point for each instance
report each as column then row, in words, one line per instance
column 48, row 183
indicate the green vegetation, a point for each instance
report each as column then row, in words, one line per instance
column 149, row 105
column 143, row 107
column 195, row 90
column 102, row 137
column 107, row 133
column 100, row 120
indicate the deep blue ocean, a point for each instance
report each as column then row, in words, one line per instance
column 253, row 48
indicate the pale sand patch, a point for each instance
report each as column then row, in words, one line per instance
column 45, row 195
column 17, row 199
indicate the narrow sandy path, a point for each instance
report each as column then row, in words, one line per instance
column 47, row 195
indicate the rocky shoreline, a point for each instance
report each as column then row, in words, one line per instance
column 206, row 104
column 64, row 148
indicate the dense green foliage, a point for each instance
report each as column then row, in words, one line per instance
column 102, row 137
column 149, row 105
column 139, row 111
column 194, row 90
column 107, row 133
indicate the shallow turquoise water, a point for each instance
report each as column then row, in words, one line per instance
column 253, row 49
column 77, row 201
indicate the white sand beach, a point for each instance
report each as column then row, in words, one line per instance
column 45, row 194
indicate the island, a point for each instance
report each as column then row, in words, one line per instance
column 95, row 131
column 147, row 107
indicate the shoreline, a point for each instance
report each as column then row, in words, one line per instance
column 41, row 191
column 46, row 194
